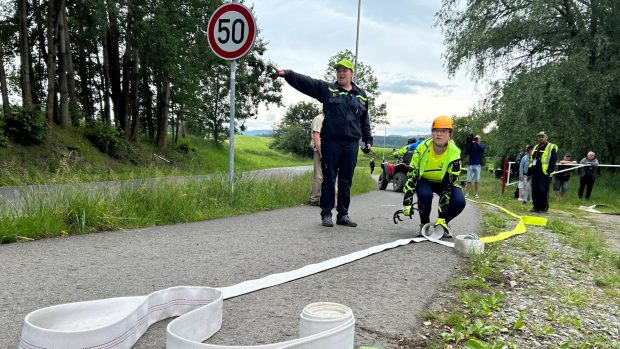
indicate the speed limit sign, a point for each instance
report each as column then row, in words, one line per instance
column 231, row 31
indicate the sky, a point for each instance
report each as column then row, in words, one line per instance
column 396, row 38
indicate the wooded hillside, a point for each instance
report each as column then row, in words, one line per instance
column 141, row 65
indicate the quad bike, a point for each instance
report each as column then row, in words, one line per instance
column 395, row 173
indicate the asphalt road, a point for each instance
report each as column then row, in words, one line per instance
column 387, row 291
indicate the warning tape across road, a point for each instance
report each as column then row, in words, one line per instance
column 116, row 323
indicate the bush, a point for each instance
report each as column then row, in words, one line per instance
column 26, row 127
column 184, row 146
column 107, row 139
column 4, row 140
column 293, row 139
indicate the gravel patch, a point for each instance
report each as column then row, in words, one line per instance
column 552, row 300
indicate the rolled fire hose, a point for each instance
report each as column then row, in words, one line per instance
column 465, row 244
column 117, row 323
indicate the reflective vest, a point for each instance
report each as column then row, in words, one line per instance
column 544, row 159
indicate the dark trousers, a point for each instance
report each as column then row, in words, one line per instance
column 586, row 182
column 540, row 192
column 338, row 161
column 424, row 191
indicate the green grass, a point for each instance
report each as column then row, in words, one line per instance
column 67, row 157
column 470, row 317
column 155, row 203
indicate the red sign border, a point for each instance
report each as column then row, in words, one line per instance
column 245, row 12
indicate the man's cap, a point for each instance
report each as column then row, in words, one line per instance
column 568, row 155
column 344, row 63
column 541, row 133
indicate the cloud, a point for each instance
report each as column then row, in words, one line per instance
column 413, row 86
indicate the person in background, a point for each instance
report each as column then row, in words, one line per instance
column 372, row 165
column 315, row 144
column 402, row 151
column 587, row 174
column 517, row 194
column 542, row 164
column 435, row 168
column 524, row 185
column 474, row 166
column 345, row 107
column 412, row 147
column 560, row 182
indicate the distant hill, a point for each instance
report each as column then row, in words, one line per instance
column 392, row 141
column 258, row 133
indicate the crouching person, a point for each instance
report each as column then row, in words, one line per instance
column 435, row 168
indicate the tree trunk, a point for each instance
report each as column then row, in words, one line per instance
column 51, row 60
column 125, row 95
column 112, row 45
column 41, row 54
column 6, row 107
column 73, row 101
column 176, row 129
column 147, row 103
column 135, row 115
column 106, row 83
column 162, row 112
column 84, row 73
column 24, row 51
column 62, row 69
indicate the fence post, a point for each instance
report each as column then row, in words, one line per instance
column 504, row 174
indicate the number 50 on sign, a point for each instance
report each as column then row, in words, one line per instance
column 231, row 31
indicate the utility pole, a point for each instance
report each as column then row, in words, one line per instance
column 357, row 40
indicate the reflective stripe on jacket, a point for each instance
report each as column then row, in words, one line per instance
column 545, row 159
column 346, row 112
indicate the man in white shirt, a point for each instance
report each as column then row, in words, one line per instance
column 315, row 144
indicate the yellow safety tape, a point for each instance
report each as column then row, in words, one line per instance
column 518, row 229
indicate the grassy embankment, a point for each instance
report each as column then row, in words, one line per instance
column 68, row 157
column 474, row 317
column 156, row 203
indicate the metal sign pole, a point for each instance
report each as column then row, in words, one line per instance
column 231, row 152
column 357, row 39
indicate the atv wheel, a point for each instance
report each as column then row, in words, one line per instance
column 382, row 182
column 399, row 181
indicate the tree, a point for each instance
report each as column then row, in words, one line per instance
column 365, row 79
column 292, row 133
column 561, row 59
column 141, row 66
column 7, row 31
column 24, row 52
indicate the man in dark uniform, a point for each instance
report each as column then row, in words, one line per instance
column 542, row 163
column 346, row 121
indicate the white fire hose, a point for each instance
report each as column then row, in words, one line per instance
column 117, row 323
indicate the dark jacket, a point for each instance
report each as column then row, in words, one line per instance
column 475, row 152
column 346, row 112
column 537, row 163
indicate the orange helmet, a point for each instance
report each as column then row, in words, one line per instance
column 442, row 122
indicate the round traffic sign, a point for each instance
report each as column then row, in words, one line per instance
column 231, row 31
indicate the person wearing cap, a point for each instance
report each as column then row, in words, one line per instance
column 475, row 150
column 560, row 181
column 542, row 164
column 435, row 168
column 345, row 107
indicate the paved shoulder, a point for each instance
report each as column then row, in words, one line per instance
column 387, row 291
